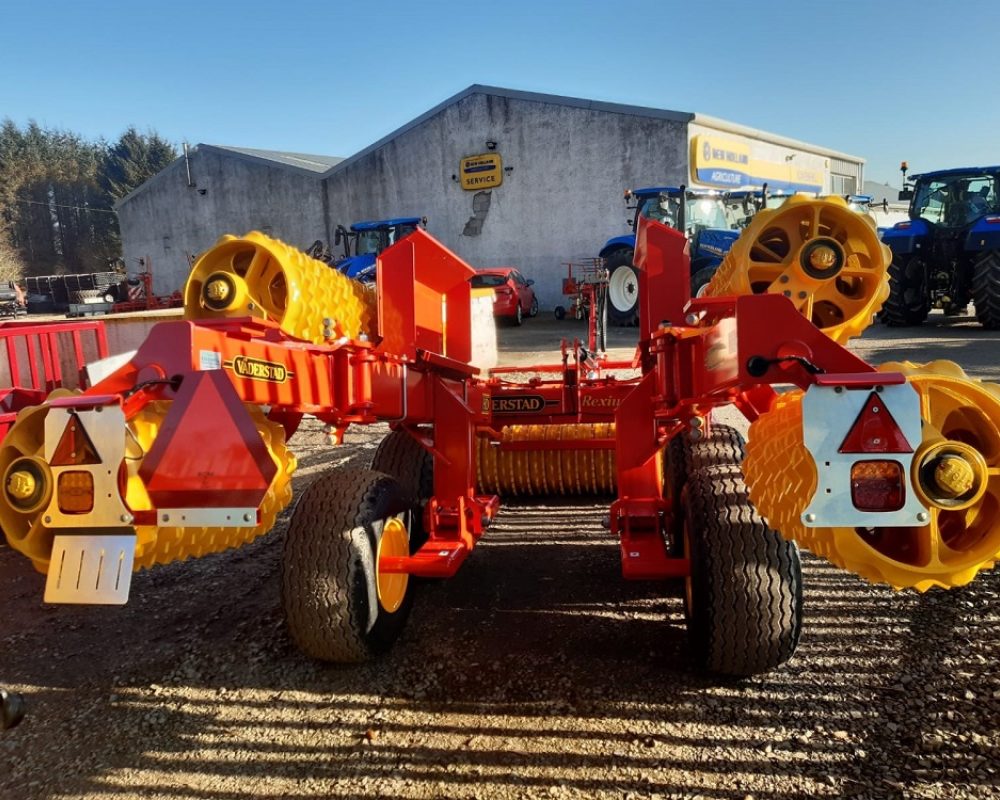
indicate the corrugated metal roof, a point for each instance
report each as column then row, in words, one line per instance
column 313, row 163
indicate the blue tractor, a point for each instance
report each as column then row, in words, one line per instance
column 948, row 252
column 699, row 213
column 365, row 240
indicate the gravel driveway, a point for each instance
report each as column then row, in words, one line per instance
column 536, row 672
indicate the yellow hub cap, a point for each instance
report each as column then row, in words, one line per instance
column 950, row 475
column 21, row 484
column 954, row 476
column 391, row 586
column 823, row 257
column 218, row 290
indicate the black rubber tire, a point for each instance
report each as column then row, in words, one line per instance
column 533, row 311
column 518, row 319
column 11, row 709
column 723, row 447
column 622, row 259
column 559, row 312
column 745, row 615
column 328, row 581
column 701, row 278
column 400, row 456
column 986, row 288
column 908, row 303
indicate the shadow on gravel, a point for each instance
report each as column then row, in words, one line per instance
column 537, row 671
column 959, row 339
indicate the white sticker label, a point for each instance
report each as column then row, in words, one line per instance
column 209, row 359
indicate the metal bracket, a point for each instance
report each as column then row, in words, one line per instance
column 828, row 412
column 207, row 517
column 94, row 570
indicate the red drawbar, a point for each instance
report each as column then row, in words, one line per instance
column 208, row 454
column 875, row 431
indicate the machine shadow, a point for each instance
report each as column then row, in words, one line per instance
column 536, row 668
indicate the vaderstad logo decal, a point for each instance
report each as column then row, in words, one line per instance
column 257, row 369
column 519, row 404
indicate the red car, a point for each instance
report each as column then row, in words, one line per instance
column 513, row 297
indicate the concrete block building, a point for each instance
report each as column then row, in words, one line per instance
column 504, row 178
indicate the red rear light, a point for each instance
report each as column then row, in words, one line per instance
column 902, row 225
column 74, row 447
column 875, row 431
column 504, row 291
column 877, row 486
column 993, row 220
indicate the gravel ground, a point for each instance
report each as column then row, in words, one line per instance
column 536, row 672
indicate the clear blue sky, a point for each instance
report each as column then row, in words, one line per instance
column 883, row 79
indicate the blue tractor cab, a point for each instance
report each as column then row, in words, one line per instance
column 948, row 252
column 699, row 213
column 365, row 240
column 742, row 204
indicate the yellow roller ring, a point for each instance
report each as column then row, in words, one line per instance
column 546, row 470
column 262, row 277
column 961, row 421
column 22, row 450
column 826, row 258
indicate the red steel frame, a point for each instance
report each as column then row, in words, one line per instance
column 693, row 355
column 696, row 355
column 583, row 290
column 40, row 343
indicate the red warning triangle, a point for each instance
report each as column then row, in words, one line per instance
column 75, row 447
column 875, row 431
column 208, row 452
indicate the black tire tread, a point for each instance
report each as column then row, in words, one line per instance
column 747, row 580
column 620, row 258
column 701, row 278
column 986, row 288
column 402, row 457
column 723, row 446
column 328, row 567
column 898, row 311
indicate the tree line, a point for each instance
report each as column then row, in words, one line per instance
column 57, row 195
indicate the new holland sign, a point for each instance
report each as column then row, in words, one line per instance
column 481, row 172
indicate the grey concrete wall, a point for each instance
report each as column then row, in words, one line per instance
column 562, row 200
column 169, row 221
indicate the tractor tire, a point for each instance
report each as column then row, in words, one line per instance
column 400, row 456
column 330, row 589
column 908, row 303
column 986, row 289
column 701, row 279
column 623, row 289
column 724, row 447
column 743, row 599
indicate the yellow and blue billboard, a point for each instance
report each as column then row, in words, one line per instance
column 729, row 163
